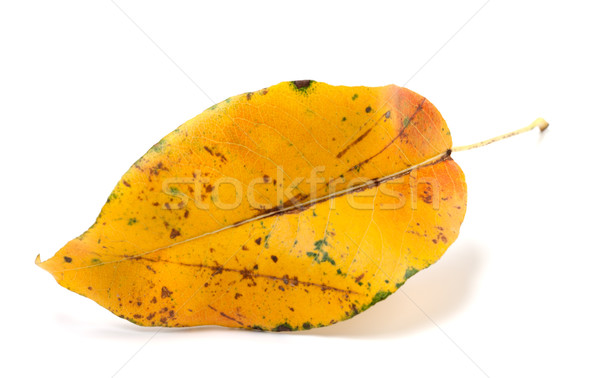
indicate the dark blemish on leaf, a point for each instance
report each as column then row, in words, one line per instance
column 266, row 179
column 217, row 269
column 137, row 316
column 434, row 241
column 249, row 95
column 307, row 325
column 139, row 303
column 132, row 221
column 238, row 295
column 171, row 314
column 230, row 318
column 368, row 109
column 388, row 114
column 153, row 300
column 355, row 96
column 244, row 247
column 208, row 150
column 286, row 279
column 89, row 288
column 343, row 120
column 209, row 188
column 302, row 84
column 126, row 184
column 282, row 328
column 68, row 259
column 291, row 309
column 149, row 317
column 274, row 258
column 186, row 214
column 165, row 292
column 281, row 288
column 255, row 267
column 155, row 204
column 167, row 206
column 247, row 274
column 174, row 233
column 257, row 241
column 163, row 320
column 357, row 279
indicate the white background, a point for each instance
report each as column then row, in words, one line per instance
column 84, row 93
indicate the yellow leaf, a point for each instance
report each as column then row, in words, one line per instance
column 292, row 207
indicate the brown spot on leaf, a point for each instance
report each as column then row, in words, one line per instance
column 126, row 184
column 368, row 109
column 282, row 328
column 67, row 259
column 149, row 317
column 174, row 233
column 164, row 293
column 357, row 279
column 274, row 258
column 257, row 241
column 302, row 83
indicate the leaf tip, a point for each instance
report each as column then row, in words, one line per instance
column 541, row 123
column 40, row 263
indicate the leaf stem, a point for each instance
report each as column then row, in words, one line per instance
column 539, row 123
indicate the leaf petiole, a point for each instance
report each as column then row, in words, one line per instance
column 538, row 123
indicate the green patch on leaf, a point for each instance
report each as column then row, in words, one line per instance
column 320, row 243
column 409, row 273
column 381, row 295
column 132, row 221
column 158, row 147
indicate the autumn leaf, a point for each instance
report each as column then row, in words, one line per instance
column 292, row 207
